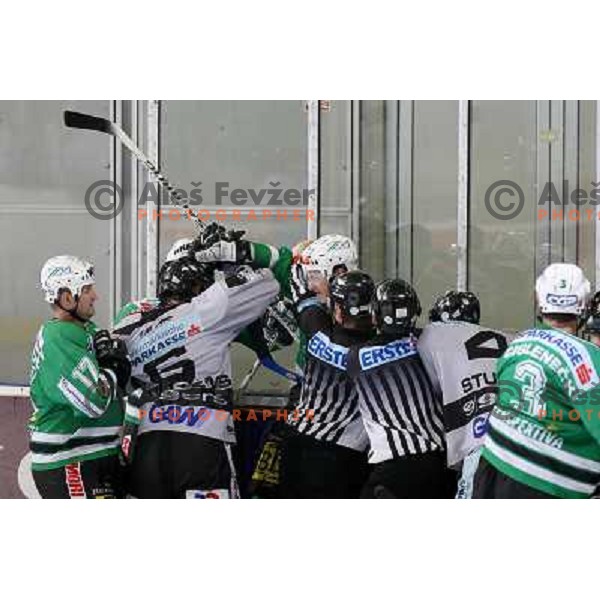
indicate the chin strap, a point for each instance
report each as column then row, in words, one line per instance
column 73, row 311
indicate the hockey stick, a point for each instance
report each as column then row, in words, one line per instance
column 262, row 349
column 248, row 377
column 77, row 120
column 268, row 363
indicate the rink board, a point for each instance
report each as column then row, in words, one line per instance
column 14, row 466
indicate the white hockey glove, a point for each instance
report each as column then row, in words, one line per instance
column 225, row 252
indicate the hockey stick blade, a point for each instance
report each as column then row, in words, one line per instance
column 79, row 120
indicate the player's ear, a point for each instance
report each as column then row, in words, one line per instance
column 66, row 300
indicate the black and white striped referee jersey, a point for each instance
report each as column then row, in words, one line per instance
column 400, row 409
column 328, row 404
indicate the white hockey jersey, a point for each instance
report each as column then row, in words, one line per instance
column 460, row 359
column 191, row 342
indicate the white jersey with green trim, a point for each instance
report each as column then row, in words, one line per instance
column 460, row 359
column 191, row 341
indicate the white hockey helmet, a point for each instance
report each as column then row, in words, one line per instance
column 65, row 272
column 562, row 289
column 179, row 249
column 328, row 252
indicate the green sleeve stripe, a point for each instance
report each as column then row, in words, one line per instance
column 264, row 256
column 127, row 310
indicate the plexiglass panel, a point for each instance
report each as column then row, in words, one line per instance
column 239, row 145
column 45, row 170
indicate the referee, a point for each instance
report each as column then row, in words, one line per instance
column 324, row 450
column 399, row 407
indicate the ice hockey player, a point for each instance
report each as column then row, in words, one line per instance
column 179, row 249
column 328, row 255
column 592, row 324
column 543, row 438
column 320, row 259
column 184, row 439
column 76, row 373
column 460, row 358
column 398, row 404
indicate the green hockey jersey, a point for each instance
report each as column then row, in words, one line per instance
column 280, row 262
column 145, row 305
column 76, row 412
column 545, row 428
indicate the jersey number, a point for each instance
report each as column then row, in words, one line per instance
column 476, row 349
column 86, row 372
column 533, row 378
column 182, row 370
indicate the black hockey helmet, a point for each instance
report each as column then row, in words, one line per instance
column 183, row 278
column 456, row 306
column 353, row 292
column 396, row 307
column 592, row 323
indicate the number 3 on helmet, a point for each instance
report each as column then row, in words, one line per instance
column 562, row 289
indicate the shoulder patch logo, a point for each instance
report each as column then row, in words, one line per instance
column 322, row 348
column 375, row 356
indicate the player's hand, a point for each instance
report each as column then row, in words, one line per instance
column 111, row 353
column 239, row 252
column 235, row 235
column 213, row 233
column 217, row 253
column 102, row 343
column 279, row 324
column 143, row 395
column 210, row 235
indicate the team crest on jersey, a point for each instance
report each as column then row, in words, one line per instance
column 321, row 347
column 375, row 356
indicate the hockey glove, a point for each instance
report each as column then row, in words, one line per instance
column 279, row 324
column 211, row 234
column 238, row 252
column 214, row 233
column 111, row 354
